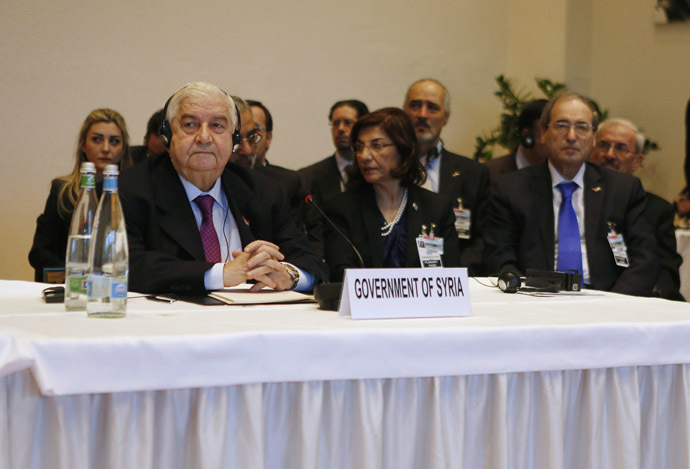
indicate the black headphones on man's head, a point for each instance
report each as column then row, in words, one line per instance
column 165, row 131
column 527, row 140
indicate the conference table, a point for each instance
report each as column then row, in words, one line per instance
column 590, row 380
column 683, row 248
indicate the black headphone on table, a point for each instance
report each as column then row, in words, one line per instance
column 510, row 282
column 165, row 131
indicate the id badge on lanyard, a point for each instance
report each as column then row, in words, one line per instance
column 429, row 248
column 618, row 247
column 463, row 221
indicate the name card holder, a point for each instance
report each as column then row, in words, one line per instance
column 405, row 293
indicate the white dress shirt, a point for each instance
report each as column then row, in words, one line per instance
column 433, row 169
column 520, row 160
column 343, row 163
column 228, row 235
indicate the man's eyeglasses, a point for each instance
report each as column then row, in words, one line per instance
column 348, row 123
column 375, row 147
column 252, row 139
column 621, row 150
column 582, row 129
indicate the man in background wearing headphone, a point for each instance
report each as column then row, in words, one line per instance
column 251, row 153
column 531, row 150
column 194, row 225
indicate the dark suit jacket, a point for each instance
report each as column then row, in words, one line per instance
column 50, row 239
column 501, row 165
column 322, row 179
column 660, row 215
column 137, row 154
column 292, row 183
column 52, row 230
column 166, row 254
column 461, row 177
column 356, row 214
column 520, row 227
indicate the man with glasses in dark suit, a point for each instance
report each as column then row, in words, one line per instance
column 571, row 215
column 330, row 175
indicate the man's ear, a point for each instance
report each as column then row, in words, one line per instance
column 269, row 138
column 639, row 158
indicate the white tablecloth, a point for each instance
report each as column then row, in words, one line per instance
column 593, row 381
column 683, row 248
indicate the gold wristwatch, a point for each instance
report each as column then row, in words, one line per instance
column 293, row 273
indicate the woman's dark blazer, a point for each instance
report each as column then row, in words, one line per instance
column 50, row 238
column 356, row 214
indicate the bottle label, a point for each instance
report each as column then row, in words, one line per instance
column 88, row 180
column 78, row 284
column 98, row 286
column 101, row 286
column 118, row 290
column 110, row 184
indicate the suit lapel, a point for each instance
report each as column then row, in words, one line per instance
column 594, row 192
column 370, row 215
column 414, row 228
column 448, row 175
column 240, row 198
column 176, row 216
column 542, row 194
column 330, row 180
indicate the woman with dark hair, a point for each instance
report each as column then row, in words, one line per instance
column 103, row 140
column 387, row 211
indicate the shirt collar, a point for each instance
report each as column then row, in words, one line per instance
column 556, row 177
column 520, row 160
column 342, row 162
column 193, row 192
column 439, row 149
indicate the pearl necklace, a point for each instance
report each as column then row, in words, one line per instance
column 388, row 227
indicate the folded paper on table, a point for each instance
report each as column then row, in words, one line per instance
column 240, row 295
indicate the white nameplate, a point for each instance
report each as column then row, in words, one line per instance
column 405, row 293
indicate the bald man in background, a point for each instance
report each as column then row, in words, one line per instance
column 427, row 104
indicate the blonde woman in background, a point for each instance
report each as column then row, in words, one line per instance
column 103, row 140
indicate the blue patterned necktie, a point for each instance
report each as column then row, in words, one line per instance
column 569, row 252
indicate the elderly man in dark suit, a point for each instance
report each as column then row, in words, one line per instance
column 195, row 223
column 569, row 214
column 618, row 146
column 457, row 178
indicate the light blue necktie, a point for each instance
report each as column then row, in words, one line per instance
column 569, row 252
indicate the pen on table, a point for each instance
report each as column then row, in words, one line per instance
column 162, row 299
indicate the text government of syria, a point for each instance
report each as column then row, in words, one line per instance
column 405, row 293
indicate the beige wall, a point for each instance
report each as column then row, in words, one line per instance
column 641, row 71
column 59, row 60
